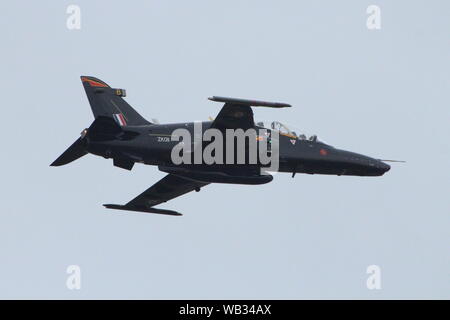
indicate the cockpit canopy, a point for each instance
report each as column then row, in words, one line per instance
column 285, row 130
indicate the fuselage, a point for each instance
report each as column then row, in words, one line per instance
column 153, row 145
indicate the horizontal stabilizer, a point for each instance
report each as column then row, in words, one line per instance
column 142, row 209
column 75, row 151
column 251, row 103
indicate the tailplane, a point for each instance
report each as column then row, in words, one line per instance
column 74, row 152
column 103, row 128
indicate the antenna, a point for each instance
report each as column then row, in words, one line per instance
column 385, row 160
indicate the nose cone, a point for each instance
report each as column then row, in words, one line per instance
column 355, row 164
column 383, row 167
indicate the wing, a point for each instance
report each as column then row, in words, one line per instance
column 237, row 113
column 234, row 116
column 168, row 188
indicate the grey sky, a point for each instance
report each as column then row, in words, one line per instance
column 383, row 93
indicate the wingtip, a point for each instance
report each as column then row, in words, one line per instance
column 149, row 210
column 251, row 103
column 55, row 163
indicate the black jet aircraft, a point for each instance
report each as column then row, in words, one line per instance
column 120, row 133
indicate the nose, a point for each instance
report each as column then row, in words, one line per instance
column 383, row 167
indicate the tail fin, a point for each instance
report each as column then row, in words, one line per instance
column 108, row 102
